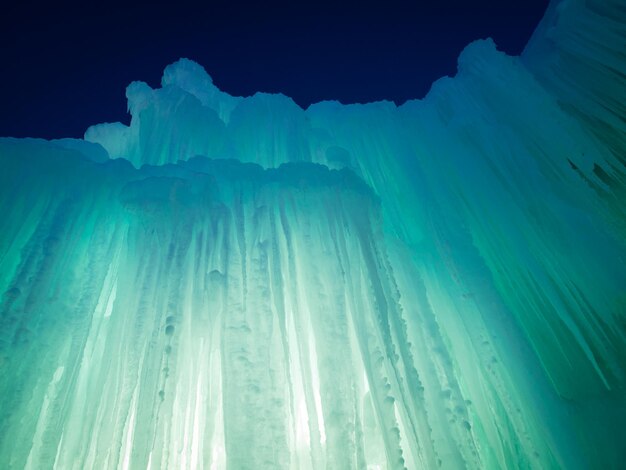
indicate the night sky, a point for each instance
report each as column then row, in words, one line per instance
column 66, row 67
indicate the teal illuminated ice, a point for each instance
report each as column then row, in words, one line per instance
column 238, row 282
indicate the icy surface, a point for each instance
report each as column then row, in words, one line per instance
column 237, row 282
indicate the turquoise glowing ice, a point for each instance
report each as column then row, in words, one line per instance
column 237, row 282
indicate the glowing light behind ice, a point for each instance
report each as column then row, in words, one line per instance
column 237, row 282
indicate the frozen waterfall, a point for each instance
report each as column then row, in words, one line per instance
column 238, row 283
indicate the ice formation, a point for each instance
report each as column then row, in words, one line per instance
column 238, row 282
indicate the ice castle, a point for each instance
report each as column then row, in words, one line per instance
column 240, row 283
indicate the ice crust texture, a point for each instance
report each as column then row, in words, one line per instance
column 238, row 282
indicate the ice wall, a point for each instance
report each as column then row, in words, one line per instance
column 237, row 282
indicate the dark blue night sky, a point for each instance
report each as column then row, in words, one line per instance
column 65, row 67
